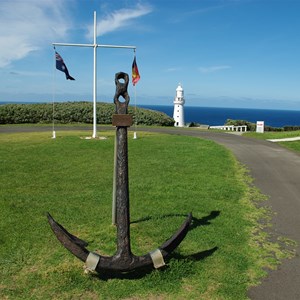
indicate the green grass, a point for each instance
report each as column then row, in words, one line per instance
column 225, row 251
column 273, row 134
column 294, row 145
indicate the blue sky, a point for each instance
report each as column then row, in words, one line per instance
column 226, row 53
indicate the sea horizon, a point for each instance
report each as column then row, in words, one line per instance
column 147, row 105
column 214, row 116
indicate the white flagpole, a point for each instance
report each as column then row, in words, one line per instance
column 95, row 46
column 95, row 80
column 53, row 97
column 114, row 195
column 135, row 121
column 135, row 116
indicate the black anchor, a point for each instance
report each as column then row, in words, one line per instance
column 123, row 260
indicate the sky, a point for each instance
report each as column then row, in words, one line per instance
column 225, row 53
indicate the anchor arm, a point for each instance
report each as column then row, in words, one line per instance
column 118, row 262
column 69, row 241
column 177, row 238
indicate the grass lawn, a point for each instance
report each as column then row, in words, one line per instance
column 225, row 251
column 294, row 145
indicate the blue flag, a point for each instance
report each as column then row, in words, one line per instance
column 60, row 65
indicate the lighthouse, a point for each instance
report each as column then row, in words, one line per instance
column 179, row 101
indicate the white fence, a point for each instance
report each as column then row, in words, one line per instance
column 242, row 128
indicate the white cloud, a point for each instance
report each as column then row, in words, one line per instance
column 29, row 25
column 28, row 73
column 119, row 19
column 174, row 69
column 213, row 69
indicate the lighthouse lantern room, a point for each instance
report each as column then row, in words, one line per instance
column 179, row 101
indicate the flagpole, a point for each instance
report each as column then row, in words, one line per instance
column 94, row 46
column 95, row 80
column 135, row 79
column 135, row 121
column 53, row 98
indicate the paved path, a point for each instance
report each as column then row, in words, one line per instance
column 276, row 172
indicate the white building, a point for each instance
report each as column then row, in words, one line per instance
column 179, row 101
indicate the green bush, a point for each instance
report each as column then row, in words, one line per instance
column 291, row 128
column 250, row 126
column 76, row 112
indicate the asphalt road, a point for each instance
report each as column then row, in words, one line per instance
column 276, row 172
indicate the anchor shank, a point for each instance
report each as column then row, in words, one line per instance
column 122, row 194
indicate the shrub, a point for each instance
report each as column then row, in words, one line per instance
column 76, row 112
column 291, row 128
column 250, row 126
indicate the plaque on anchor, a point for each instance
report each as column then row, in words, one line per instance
column 123, row 260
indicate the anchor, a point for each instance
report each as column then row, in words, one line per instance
column 123, row 260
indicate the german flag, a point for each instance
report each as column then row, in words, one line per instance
column 135, row 73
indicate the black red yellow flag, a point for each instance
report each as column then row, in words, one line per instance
column 135, row 73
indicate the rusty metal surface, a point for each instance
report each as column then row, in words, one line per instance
column 122, row 120
column 121, row 81
column 123, row 260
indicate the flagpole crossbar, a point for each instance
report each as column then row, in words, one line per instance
column 75, row 45
column 116, row 46
column 92, row 45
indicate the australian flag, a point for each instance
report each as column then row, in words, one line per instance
column 60, row 65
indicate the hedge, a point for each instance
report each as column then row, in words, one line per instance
column 76, row 112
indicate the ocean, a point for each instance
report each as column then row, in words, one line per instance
column 215, row 116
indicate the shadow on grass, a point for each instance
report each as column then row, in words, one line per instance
column 185, row 259
column 196, row 256
column 196, row 222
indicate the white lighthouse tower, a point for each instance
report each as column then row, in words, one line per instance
column 179, row 101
